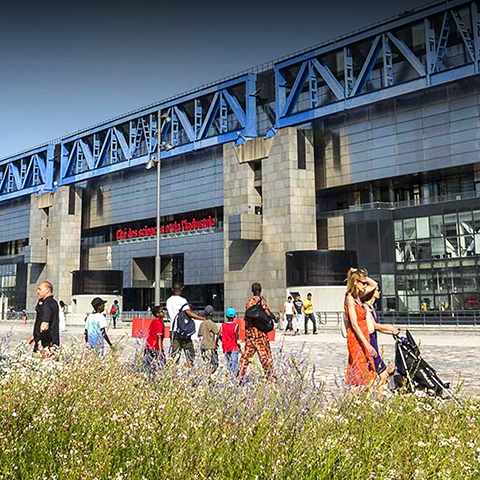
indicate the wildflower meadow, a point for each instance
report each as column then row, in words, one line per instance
column 78, row 416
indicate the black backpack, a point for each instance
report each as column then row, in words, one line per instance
column 259, row 318
column 184, row 326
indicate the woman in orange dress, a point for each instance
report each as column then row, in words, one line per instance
column 361, row 367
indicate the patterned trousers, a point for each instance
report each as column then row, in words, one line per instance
column 262, row 347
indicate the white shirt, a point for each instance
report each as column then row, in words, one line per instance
column 288, row 308
column 174, row 304
column 94, row 325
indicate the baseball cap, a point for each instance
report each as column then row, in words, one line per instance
column 209, row 311
column 97, row 302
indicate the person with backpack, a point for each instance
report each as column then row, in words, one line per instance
column 114, row 312
column 182, row 325
column 256, row 340
column 230, row 335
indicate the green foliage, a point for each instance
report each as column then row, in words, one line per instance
column 77, row 416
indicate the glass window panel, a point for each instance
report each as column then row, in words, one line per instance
column 423, row 228
column 388, row 285
column 426, row 282
column 411, row 251
column 469, row 279
column 409, row 229
column 465, row 223
column 470, row 301
column 427, row 303
column 440, row 280
column 438, row 247
column 398, row 229
column 399, row 252
column 412, row 283
column 389, row 304
column 476, row 219
column 450, row 225
column 402, row 302
column 451, row 247
column 468, row 262
column 441, row 302
column 457, row 302
column 423, row 250
column 466, row 245
column 436, row 226
column 477, row 243
column 401, row 283
column 413, row 304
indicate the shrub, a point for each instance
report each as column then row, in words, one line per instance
column 77, row 416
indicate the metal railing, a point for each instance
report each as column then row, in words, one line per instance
column 454, row 197
column 456, row 318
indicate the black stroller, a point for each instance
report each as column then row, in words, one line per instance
column 420, row 375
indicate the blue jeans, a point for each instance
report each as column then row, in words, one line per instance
column 232, row 361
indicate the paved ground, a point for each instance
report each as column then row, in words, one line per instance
column 454, row 354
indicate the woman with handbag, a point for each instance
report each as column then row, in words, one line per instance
column 258, row 322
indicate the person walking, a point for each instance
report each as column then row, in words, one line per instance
column 288, row 311
column 61, row 315
column 96, row 327
column 374, row 326
column 309, row 315
column 114, row 312
column 176, row 304
column 299, row 313
column 209, row 332
column 361, row 367
column 256, row 341
column 230, row 340
column 154, row 355
column 46, row 332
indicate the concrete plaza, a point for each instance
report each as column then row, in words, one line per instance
column 454, row 353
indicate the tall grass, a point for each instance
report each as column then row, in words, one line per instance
column 77, row 416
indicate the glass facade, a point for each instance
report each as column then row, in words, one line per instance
column 437, row 261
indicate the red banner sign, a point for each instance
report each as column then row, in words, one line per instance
column 174, row 227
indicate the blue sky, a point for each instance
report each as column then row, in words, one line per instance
column 67, row 66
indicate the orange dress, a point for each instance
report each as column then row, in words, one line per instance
column 360, row 368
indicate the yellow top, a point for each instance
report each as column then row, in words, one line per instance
column 308, row 306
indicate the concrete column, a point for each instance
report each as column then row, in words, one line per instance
column 288, row 217
column 55, row 237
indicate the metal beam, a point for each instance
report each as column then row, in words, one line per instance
column 367, row 67
column 329, row 78
column 408, row 54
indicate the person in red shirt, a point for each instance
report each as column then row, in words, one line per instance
column 154, row 354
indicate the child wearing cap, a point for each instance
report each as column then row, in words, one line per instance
column 230, row 337
column 95, row 327
column 208, row 332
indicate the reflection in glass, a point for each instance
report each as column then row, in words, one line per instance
column 423, row 230
column 399, row 252
column 450, row 225
column 436, row 226
column 451, row 247
column 388, row 285
column 409, row 229
column 397, row 225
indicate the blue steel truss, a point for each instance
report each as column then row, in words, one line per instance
column 208, row 117
column 28, row 173
column 338, row 76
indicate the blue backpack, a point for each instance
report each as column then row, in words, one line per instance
column 184, row 326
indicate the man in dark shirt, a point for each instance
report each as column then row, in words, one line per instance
column 46, row 328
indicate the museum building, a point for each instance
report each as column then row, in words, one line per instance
column 363, row 150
